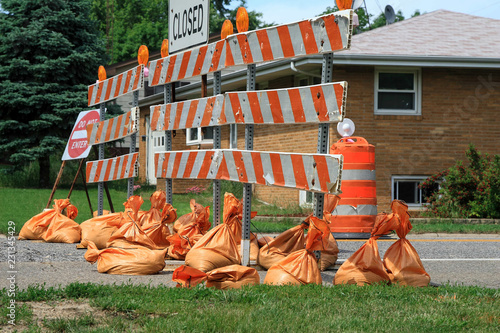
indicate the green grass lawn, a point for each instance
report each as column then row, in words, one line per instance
column 263, row 308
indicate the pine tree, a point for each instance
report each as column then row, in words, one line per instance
column 49, row 54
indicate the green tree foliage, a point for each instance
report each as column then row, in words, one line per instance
column 49, row 53
column 470, row 189
column 217, row 18
column 128, row 24
column 366, row 21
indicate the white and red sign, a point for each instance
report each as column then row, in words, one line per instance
column 77, row 146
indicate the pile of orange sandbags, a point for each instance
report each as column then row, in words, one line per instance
column 401, row 260
column 300, row 267
column 132, row 249
column 228, row 277
column 52, row 225
column 365, row 265
column 100, row 228
column 188, row 229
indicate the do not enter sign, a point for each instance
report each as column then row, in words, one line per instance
column 77, row 146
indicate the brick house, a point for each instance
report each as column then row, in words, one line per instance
column 420, row 91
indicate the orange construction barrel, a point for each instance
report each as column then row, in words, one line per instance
column 357, row 208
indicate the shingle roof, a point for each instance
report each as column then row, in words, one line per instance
column 440, row 33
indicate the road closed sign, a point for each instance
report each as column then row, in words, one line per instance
column 187, row 24
column 77, row 146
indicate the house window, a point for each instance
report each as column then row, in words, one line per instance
column 407, row 189
column 397, row 92
column 306, row 199
column 200, row 135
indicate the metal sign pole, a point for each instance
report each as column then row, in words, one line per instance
column 167, row 97
column 247, row 188
column 133, row 139
column 100, row 185
column 217, row 145
column 323, row 133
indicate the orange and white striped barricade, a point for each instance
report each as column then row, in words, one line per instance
column 121, row 167
column 320, row 35
column 310, row 172
column 112, row 88
column 312, row 104
column 113, row 129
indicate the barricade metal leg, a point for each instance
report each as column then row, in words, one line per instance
column 323, row 133
column 167, row 97
column 100, row 185
column 133, row 140
column 247, row 188
column 217, row 145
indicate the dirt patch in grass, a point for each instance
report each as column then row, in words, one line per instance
column 47, row 311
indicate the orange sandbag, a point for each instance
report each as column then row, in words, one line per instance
column 36, row 227
column 63, row 230
column 100, row 228
column 104, row 212
column 277, row 249
column 132, row 207
column 264, row 240
column 130, row 235
column 401, row 260
column 217, row 248
column 301, row 267
column 138, row 261
column 233, row 215
column 187, row 277
column 153, row 215
column 199, row 214
column 232, row 277
column 330, row 252
column 158, row 231
column 365, row 265
column 71, row 211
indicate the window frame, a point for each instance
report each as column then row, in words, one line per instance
column 417, row 90
column 303, row 199
column 200, row 139
column 411, row 178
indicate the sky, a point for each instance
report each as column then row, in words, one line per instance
column 287, row 11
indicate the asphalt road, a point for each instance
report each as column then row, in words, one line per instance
column 448, row 258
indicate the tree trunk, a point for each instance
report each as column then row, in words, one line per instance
column 44, row 174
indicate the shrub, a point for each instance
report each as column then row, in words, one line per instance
column 468, row 190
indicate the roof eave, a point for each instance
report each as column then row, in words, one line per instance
column 416, row 61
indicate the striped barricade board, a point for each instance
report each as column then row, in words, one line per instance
column 114, row 128
column 118, row 85
column 120, row 167
column 310, row 172
column 311, row 104
column 320, row 35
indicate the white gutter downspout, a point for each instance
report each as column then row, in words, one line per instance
column 293, row 68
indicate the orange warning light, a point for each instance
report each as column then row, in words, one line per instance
column 164, row 48
column 242, row 19
column 344, row 4
column 227, row 29
column 143, row 55
column 101, row 73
